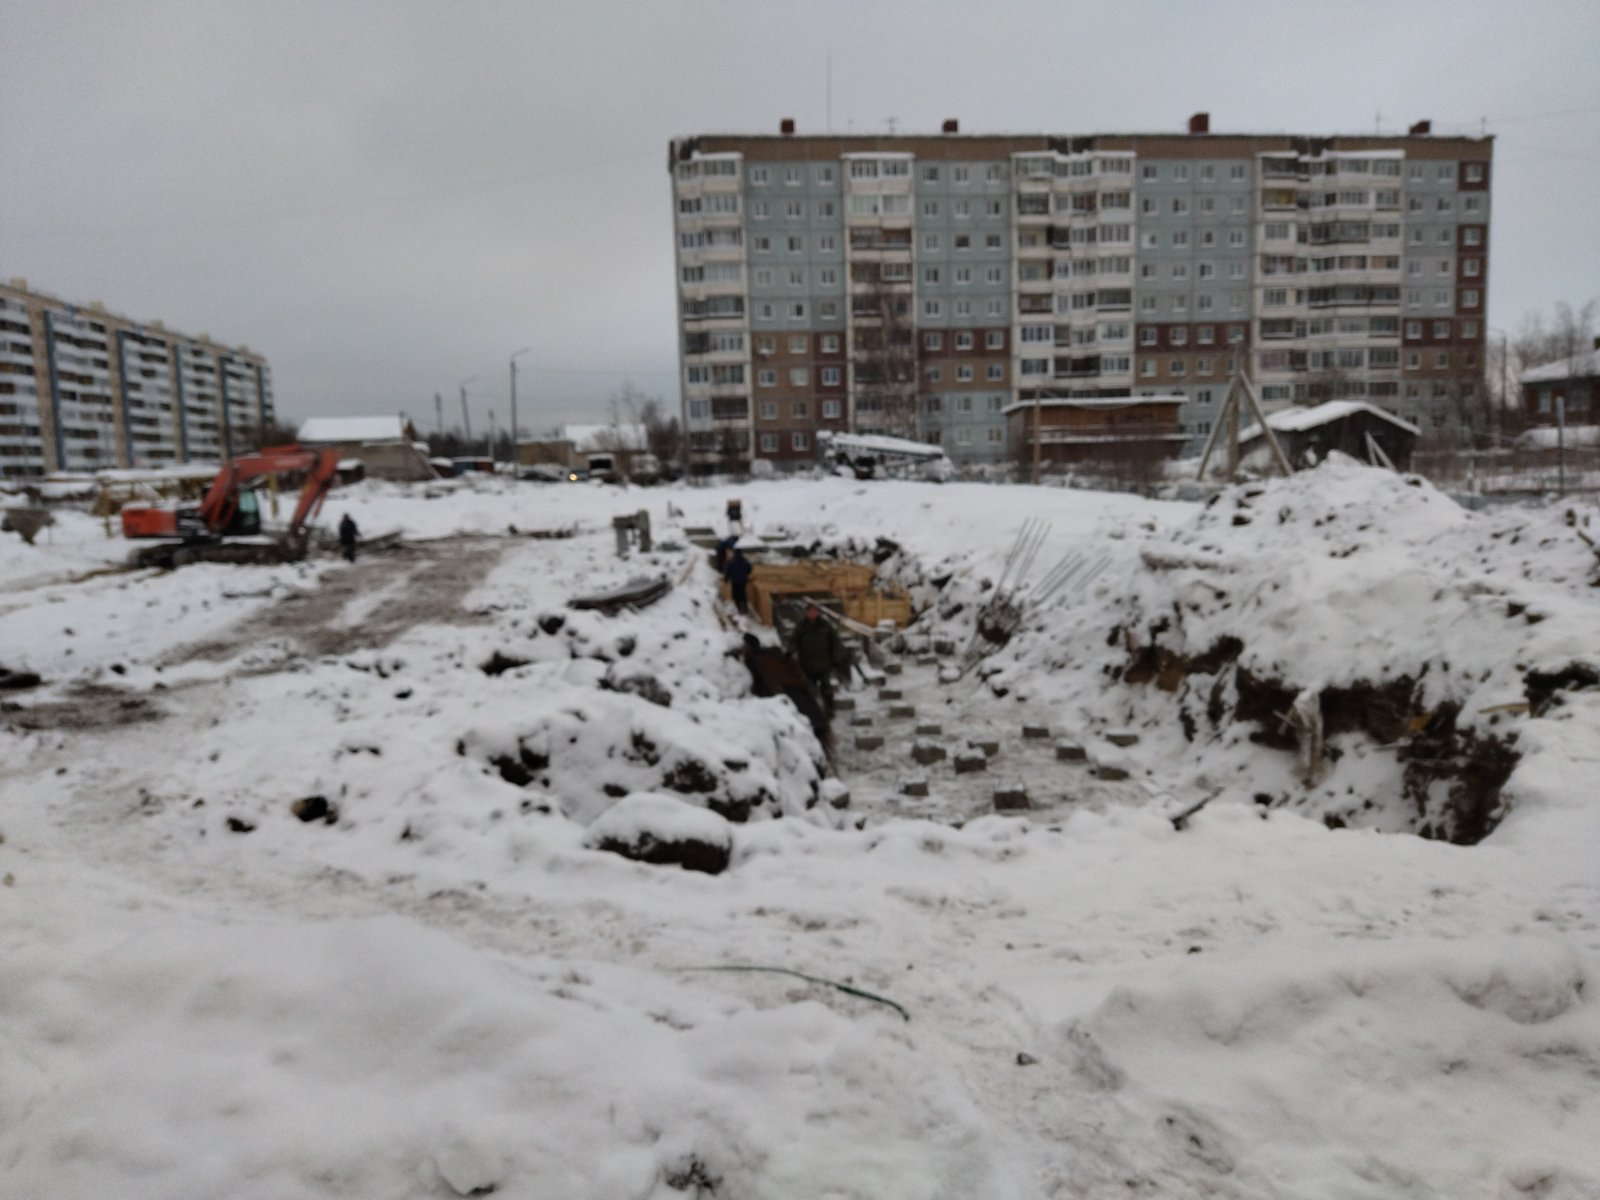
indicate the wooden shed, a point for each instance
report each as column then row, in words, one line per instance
column 1352, row 427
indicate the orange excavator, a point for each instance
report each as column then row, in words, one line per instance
column 230, row 511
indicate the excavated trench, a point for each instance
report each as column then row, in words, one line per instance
column 1451, row 776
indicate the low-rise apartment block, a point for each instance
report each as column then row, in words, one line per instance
column 83, row 389
column 924, row 286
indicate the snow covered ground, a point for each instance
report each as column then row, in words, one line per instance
column 439, row 984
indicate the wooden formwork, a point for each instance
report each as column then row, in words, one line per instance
column 846, row 587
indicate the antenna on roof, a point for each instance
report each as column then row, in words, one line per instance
column 830, row 92
column 891, row 122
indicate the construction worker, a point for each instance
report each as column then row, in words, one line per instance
column 349, row 536
column 820, row 652
column 738, row 573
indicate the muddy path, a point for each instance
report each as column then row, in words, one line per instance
column 364, row 606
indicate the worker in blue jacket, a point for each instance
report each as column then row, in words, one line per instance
column 738, row 576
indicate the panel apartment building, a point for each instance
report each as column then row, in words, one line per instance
column 82, row 389
column 923, row 286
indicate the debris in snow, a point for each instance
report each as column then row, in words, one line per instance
column 664, row 830
column 315, row 808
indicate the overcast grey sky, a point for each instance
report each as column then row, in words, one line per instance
column 386, row 199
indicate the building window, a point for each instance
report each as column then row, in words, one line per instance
column 769, row 410
column 996, row 372
column 767, row 378
column 1441, row 329
column 799, row 441
column 1469, row 298
column 963, row 341
column 995, row 339
column 799, row 377
column 933, row 341
column 769, row 443
column 827, row 243
column 830, row 376
column 933, row 374
column 800, row 409
column 758, row 176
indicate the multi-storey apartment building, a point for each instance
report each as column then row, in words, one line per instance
column 82, row 389
column 924, row 285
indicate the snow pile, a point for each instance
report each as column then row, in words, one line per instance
column 1398, row 616
column 1395, row 1067
column 267, row 1060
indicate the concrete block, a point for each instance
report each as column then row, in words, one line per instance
column 1035, row 732
column 835, row 793
column 1122, row 737
column 988, row 747
column 1110, row 773
column 844, row 704
column 926, row 753
column 943, row 646
column 888, row 693
column 913, row 787
column 892, row 668
column 969, row 761
column 868, row 742
column 1070, row 752
column 901, row 711
column 1011, row 797
column 861, row 722
column 929, row 729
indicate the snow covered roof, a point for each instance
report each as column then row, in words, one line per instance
column 1582, row 367
column 878, row 443
column 1548, row 437
column 1296, row 420
column 1100, row 402
column 591, row 439
column 323, row 430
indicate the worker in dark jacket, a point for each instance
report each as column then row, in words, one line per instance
column 774, row 673
column 738, row 572
column 820, row 652
column 349, row 536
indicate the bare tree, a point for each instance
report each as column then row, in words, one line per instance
column 663, row 433
column 884, row 351
column 1565, row 339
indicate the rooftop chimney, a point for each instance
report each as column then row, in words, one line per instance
column 1200, row 123
column 1421, row 129
column 951, row 125
column 786, row 127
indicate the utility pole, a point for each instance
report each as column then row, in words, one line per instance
column 1038, row 437
column 466, row 417
column 438, row 413
column 1561, row 445
column 516, row 462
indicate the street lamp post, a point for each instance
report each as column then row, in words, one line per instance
column 466, row 417
column 515, row 462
